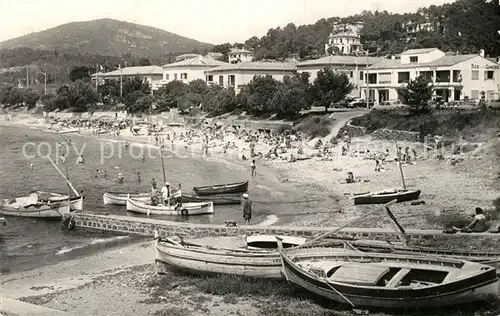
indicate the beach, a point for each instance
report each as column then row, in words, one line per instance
column 123, row 280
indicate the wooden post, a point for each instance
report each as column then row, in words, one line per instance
column 343, row 226
column 400, row 230
column 400, row 167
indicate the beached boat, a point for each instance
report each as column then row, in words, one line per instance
column 24, row 208
column 388, row 280
column 120, row 198
column 252, row 256
column 187, row 209
column 238, row 187
column 68, row 130
column 385, row 196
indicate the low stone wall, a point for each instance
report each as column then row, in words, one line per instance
column 147, row 226
column 391, row 134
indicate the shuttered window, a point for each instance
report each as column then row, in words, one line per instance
column 384, row 77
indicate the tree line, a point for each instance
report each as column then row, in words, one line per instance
column 464, row 25
column 263, row 95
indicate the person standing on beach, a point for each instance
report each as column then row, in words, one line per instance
column 166, row 193
column 252, row 166
column 247, row 209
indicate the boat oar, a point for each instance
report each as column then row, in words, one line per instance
column 344, row 226
column 64, row 177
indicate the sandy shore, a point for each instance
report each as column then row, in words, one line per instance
column 123, row 281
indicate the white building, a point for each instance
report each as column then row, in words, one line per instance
column 189, row 69
column 237, row 55
column 149, row 74
column 354, row 67
column 455, row 77
column 345, row 38
column 238, row 75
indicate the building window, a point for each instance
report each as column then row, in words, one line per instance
column 184, row 75
column 372, row 78
column 474, row 94
column 351, row 74
column 221, row 80
column 457, row 76
column 231, row 80
column 361, row 77
column 403, row 77
column 210, row 78
column 167, row 77
column 413, row 59
column 475, row 75
column 175, row 76
column 489, row 75
column 384, row 78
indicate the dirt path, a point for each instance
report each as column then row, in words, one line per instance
column 341, row 118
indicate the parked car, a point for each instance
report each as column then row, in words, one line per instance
column 358, row 102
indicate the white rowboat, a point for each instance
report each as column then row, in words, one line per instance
column 187, row 209
column 118, row 198
column 252, row 256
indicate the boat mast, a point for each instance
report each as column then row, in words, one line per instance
column 67, row 177
column 400, row 167
column 162, row 166
column 64, row 177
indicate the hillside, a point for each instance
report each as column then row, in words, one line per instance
column 464, row 25
column 107, row 37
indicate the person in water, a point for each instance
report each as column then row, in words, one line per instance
column 120, row 178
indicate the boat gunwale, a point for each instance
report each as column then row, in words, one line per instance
column 383, row 292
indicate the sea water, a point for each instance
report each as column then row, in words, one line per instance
column 27, row 243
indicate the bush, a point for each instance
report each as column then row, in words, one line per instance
column 446, row 123
column 315, row 126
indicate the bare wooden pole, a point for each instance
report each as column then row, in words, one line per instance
column 162, row 166
column 343, row 226
column 400, row 167
column 64, row 177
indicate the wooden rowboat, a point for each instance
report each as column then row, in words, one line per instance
column 39, row 198
column 68, row 130
column 38, row 210
column 187, row 209
column 388, row 280
column 382, row 197
column 252, row 256
column 119, row 198
column 238, row 187
column 217, row 199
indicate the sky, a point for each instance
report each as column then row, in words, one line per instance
column 211, row 21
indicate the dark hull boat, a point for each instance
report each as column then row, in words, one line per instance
column 386, row 196
column 388, row 280
column 217, row 199
column 238, row 187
